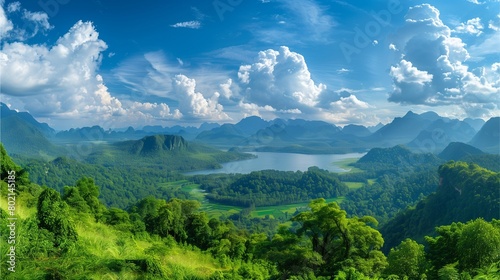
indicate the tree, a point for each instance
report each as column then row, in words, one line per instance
column 479, row 245
column 342, row 242
column 53, row 215
column 443, row 248
column 90, row 193
column 407, row 260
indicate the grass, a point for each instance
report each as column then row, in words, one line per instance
column 289, row 209
column 354, row 185
column 346, row 164
column 104, row 252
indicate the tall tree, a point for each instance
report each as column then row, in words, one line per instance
column 342, row 242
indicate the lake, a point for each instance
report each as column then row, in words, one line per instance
column 283, row 162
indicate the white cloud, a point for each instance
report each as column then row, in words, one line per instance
column 193, row 24
column 494, row 24
column 472, row 26
column 349, row 110
column 433, row 70
column 475, row 2
column 34, row 22
column 405, row 72
column 61, row 83
column 311, row 16
column 392, row 47
column 280, row 79
column 343, row 70
column 5, row 24
column 348, row 103
column 193, row 103
column 13, row 7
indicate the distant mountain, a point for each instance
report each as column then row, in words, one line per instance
column 374, row 128
column 356, row 130
column 225, row 135
column 23, row 138
column 21, row 134
column 488, row 137
column 440, row 133
column 44, row 128
column 97, row 133
column 458, row 151
column 94, row 133
column 250, row 125
column 155, row 144
column 401, row 130
column 475, row 123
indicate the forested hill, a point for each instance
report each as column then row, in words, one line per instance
column 272, row 187
column 458, row 150
column 151, row 145
column 398, row 158
column 466, row 191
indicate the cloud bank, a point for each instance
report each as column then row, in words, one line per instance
column 433, row 69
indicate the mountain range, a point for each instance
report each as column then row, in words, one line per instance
column 426, row 132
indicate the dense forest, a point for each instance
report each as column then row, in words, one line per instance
column 271, row 187
column 73, row 235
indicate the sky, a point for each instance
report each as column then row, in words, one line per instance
column 75, row 63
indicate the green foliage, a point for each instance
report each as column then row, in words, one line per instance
column 120, row 186
column 342, row 242
column 76, row 237
column 466, row 191
column 52, row 214
column 272, row 187
column 397, row 159
column 478, row 245
column 407, row 260
column 390, row 193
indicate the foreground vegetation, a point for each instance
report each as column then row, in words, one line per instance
column 74, row 235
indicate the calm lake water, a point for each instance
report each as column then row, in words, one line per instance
column 283, row 162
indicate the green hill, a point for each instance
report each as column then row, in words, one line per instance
column 466, row 191
column 156, row 144
column 458, row 150
column 398, row 158
column 23, row 138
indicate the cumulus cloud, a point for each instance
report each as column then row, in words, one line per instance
column 433, row 68
column 61, row 82
column 280, row 79
column 194, row 103
column 349, row 109
column 472, row 26
column 193, row 24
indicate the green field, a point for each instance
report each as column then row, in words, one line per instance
column 354, row 185
column 216, row 209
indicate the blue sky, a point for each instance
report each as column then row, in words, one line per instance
column 75, row 63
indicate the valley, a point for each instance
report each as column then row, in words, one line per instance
column 252, row 198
